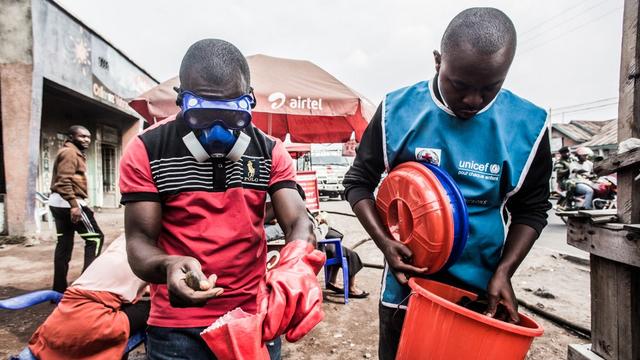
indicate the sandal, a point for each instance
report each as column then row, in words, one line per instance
column 335, row 289
column 339, row 290
column 362, row 295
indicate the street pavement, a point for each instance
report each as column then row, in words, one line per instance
column 554, row 237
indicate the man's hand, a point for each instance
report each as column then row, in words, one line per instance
column 187, row 285
column 520, row 239
column 500, row 291
column 76, row 214
column 399, row 257
column 397, row 254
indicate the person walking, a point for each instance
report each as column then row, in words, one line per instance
column 68, row 204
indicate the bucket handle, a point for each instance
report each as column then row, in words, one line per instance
column 405, row 300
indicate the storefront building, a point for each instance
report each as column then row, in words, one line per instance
column 56, row 72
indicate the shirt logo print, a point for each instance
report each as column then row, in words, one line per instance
column 480, row 170
column 430, row 155
column 251, row 170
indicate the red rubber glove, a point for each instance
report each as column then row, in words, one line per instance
column 289, row 301
column 237, row 336
column 292, row 303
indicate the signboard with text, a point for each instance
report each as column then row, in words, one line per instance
column 308, row 180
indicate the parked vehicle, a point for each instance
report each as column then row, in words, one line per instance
column 604, row 197
column 330, row 170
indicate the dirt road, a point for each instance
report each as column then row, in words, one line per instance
column 348, row 331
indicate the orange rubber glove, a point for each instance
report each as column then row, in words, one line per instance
column 293, row 300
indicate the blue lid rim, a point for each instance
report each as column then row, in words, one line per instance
column 461, row 213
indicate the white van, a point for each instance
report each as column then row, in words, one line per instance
column 330, row 170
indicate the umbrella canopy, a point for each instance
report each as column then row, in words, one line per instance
column 296, row 149
column 294, row 97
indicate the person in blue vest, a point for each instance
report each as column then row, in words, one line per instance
column 493, row 143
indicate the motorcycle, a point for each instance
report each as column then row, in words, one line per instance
column 604, row 196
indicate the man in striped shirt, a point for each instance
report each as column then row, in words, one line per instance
column 193, row 217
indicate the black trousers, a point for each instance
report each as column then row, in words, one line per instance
column 138, row 314
column 88, row 230
column 391, row 321
column 353, row 259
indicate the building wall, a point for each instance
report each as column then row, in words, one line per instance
column 16, row 37
column 19, row 114
column 75, row 57
column 38, row 41
column 565, row 141
column 61, row 110
column 19, row 147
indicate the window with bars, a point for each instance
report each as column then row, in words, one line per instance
column 108, row 168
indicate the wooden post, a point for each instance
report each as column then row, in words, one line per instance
column 615, row 257
column 614, row 309
column 629, row 111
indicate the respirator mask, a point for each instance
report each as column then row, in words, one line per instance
column 216, row 125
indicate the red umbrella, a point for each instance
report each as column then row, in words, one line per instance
column 297, row 149
column 294, row 96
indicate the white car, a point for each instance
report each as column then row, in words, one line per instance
column 330, row 170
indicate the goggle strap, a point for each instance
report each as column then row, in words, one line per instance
column 254, row 101
column 239, row 148
column 195, row 148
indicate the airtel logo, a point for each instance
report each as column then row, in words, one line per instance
column 278, row 99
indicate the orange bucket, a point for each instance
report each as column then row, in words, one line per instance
column 435, row 328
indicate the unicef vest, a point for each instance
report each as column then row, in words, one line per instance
column 488, row 156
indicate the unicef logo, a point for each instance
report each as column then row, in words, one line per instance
column 277, row 99
column 494, row 168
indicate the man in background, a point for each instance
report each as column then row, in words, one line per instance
column 563, row 167
column 98, row 312
column 68, row 204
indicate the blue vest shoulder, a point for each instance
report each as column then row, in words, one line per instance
column 512, row 106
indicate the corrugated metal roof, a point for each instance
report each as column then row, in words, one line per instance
column 582, row 130
column 608, row 136
column 592, row 127
column 573, row 132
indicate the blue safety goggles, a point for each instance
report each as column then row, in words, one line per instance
column 201, row 113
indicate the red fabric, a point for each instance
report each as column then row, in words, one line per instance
column 223, row 230
column 282, row 166
column 339, row 110
column 290, row 302
column 293, row 301
column 237, row 336
column 85, row 325
column 311, row 128
column 135, row 171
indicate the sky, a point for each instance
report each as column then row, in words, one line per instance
column 568, row 56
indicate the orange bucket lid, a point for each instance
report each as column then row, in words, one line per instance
column 416, row 209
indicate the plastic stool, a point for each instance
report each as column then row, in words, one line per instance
column 338, row 260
